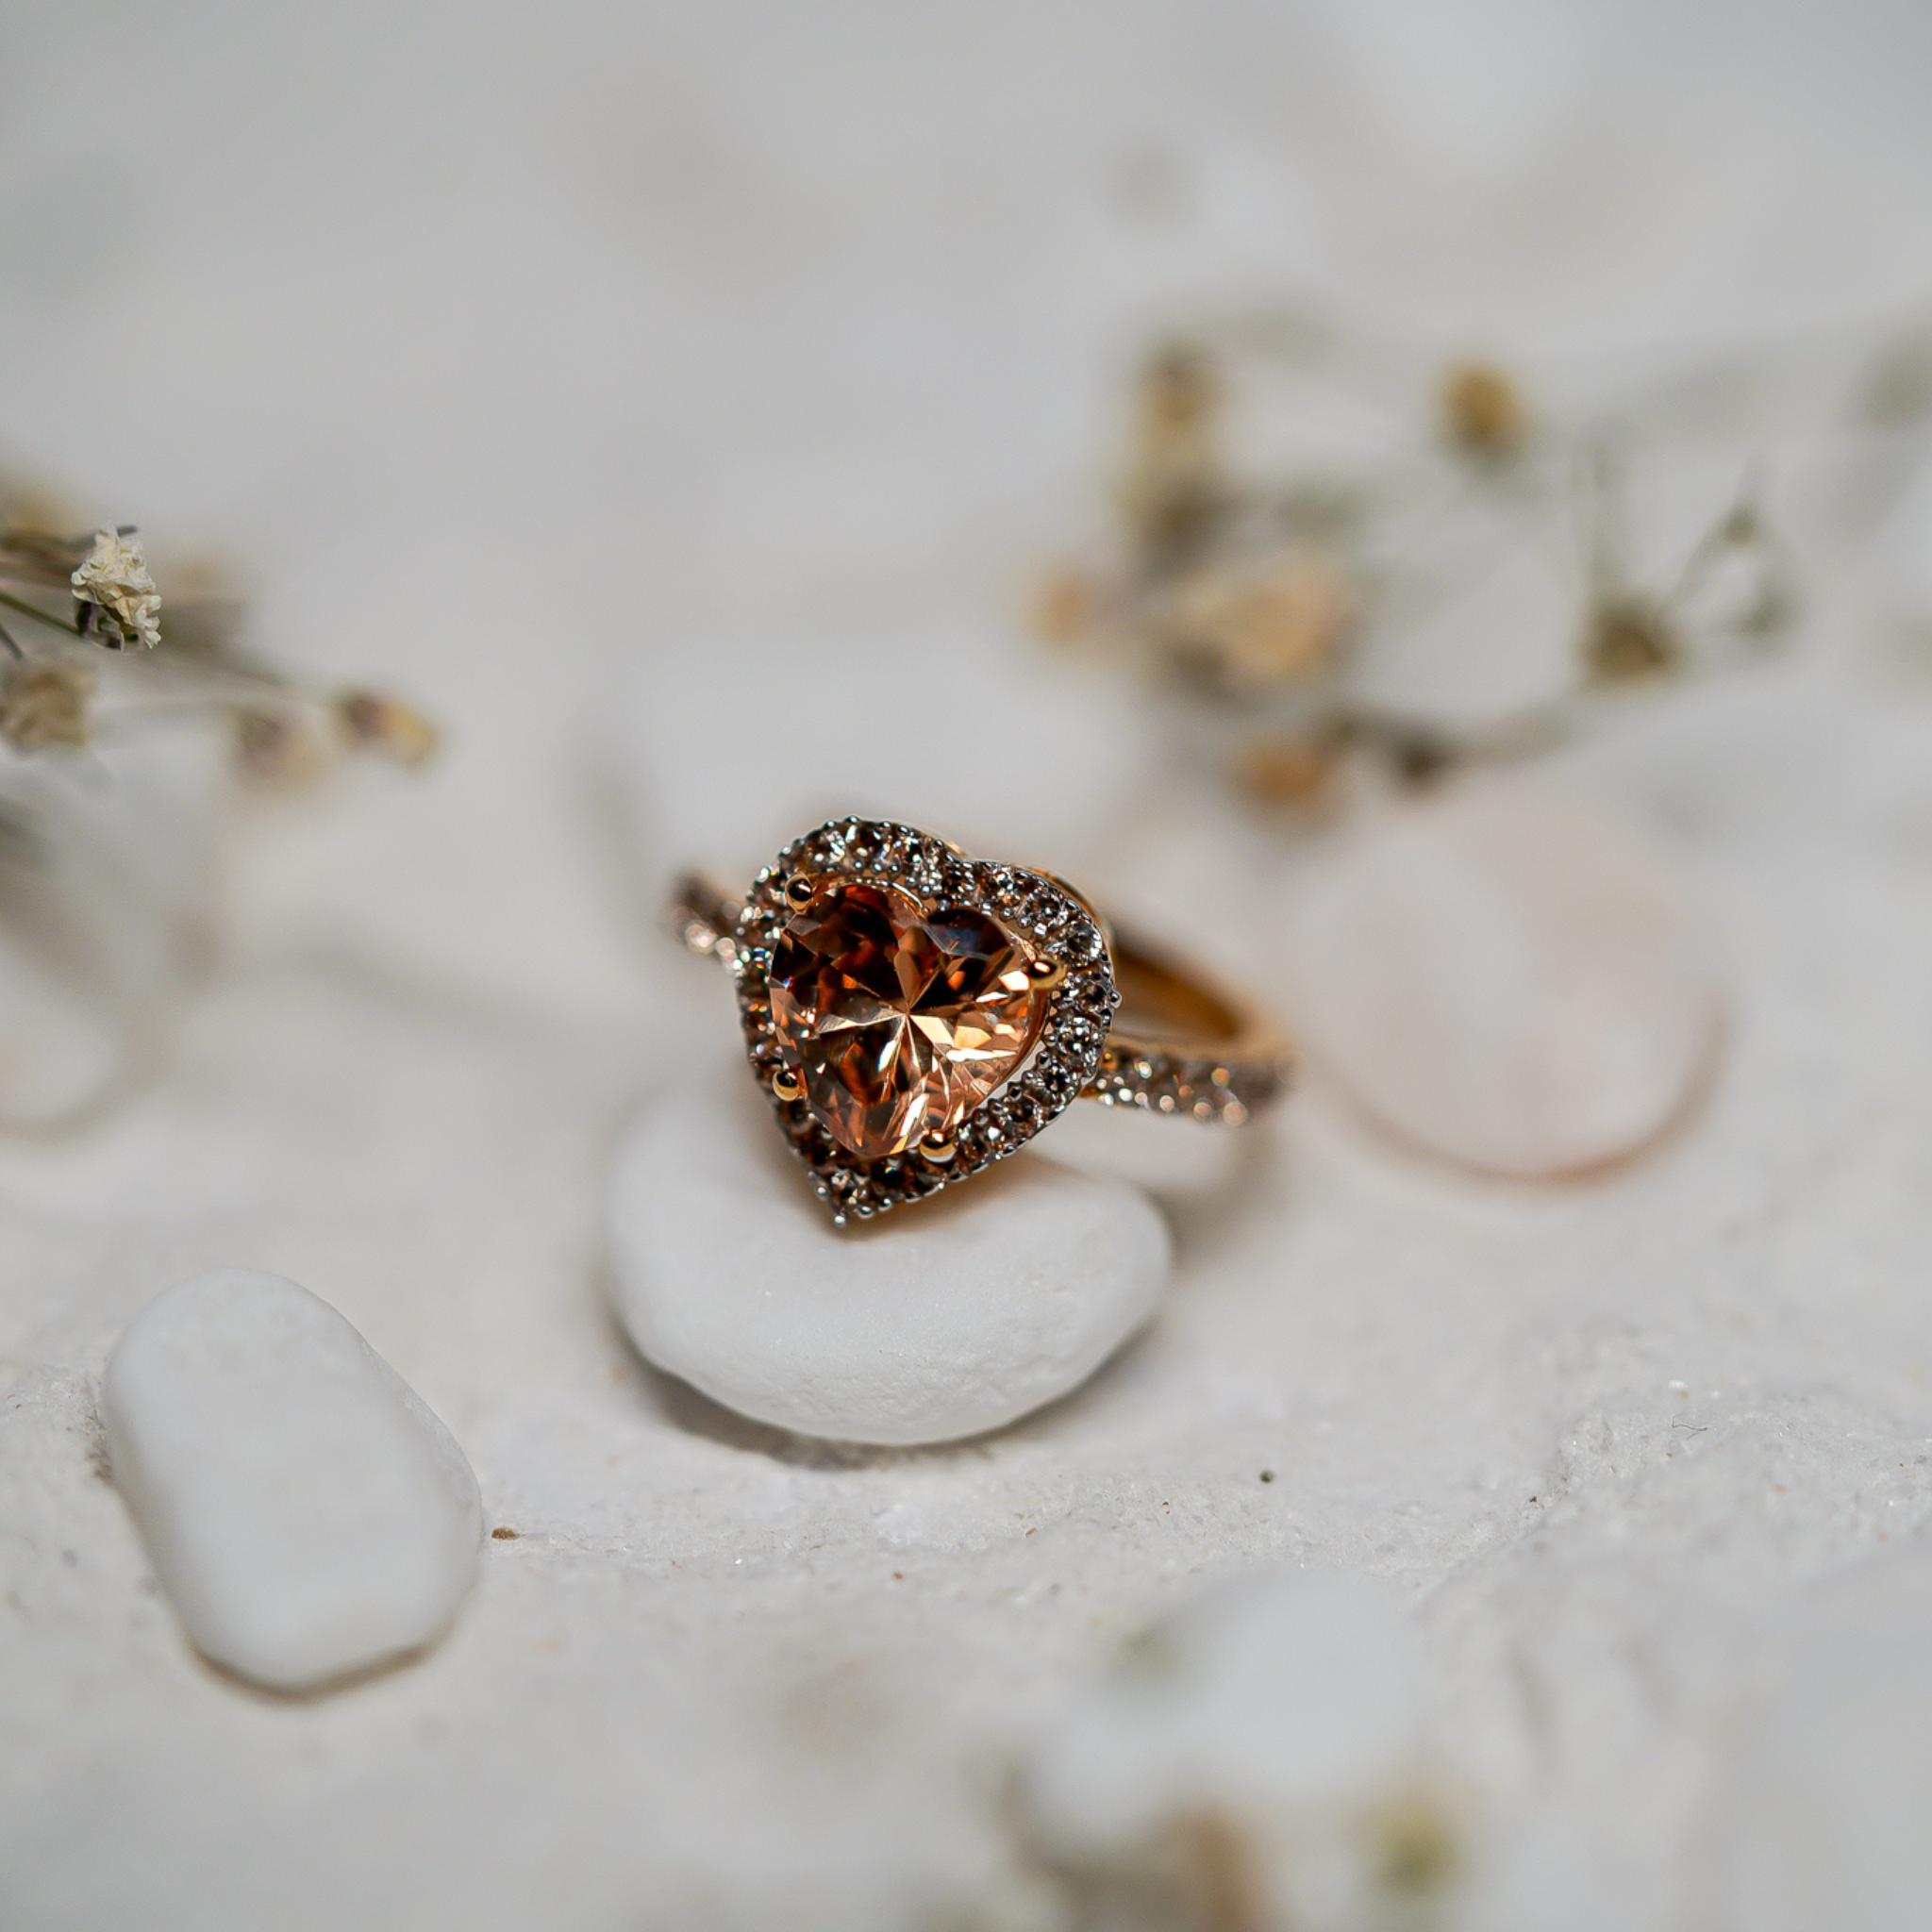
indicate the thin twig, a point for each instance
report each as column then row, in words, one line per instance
column 1721, row 536
column 27, row 609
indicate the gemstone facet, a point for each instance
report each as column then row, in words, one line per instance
column 900, row 1021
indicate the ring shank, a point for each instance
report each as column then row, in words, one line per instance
column 1181, row 1044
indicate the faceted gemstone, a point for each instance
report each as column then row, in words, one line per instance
column 901, row 1020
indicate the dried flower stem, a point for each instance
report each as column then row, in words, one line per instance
column 40, row 616
column 48, row 699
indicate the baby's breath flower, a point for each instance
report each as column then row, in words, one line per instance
column 1626, row 639
column 1255, row 627
column 115, row 580
column 277, row 746
column 375, row 722
column 1483, row 410
column 1298, row 772
column 43, row 703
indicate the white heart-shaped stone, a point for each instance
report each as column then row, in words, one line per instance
column 307, row 1515
column 1505, row 974
column 948, row 1317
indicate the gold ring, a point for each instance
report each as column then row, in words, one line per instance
column 915, row 1014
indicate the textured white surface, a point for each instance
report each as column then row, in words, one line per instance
column 933, row 1323
column 1267, row 1744
column 528, row 351
column 306, row 1514
column 1505, row 974
column 103, row 915
column 1824, row 1823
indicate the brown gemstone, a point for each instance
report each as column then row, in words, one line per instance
column 899, row 1019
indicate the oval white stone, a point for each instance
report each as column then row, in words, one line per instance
column 937, row 1321
column 307, row 1515
column 1506, row 976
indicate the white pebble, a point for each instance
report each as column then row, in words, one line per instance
column 1505, row 975
column 1275, row 1735
column 937, row 1321
column 307, row 1515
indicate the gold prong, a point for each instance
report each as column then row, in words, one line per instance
column 1047, row 973
column 787, row 1083
column 799, row 889
column 936, row 1149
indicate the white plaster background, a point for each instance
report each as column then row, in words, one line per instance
column 586, row 375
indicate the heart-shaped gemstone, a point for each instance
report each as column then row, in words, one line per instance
column 914, row 1014
column 898, row 1020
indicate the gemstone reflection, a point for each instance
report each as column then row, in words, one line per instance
column 899, row 1021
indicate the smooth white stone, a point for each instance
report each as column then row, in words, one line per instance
column 937, row 1321
column 307, row 1515
column 1277, row 1728
column 1505, row 974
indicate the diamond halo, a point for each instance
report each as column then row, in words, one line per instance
column 1050, row 924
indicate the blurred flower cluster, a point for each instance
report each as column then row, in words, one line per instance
column 65, row 599
column 1271, row 599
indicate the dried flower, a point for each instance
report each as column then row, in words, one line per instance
column 277, row 747
column 1626, row 639
column 375, row 722
column 287, row 729
column 114, row 581
column 1248, row 580
column 1066, row 604
column 1482, row 410
column 1416, row 1840
column 1259, row 625
column 43, row 703
column 1175, row 492
column 1290, row 773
